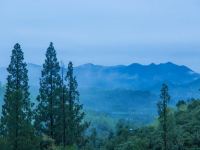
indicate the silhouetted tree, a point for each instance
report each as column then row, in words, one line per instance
column 62, row 110
column 75, row 123
column 16, row 117
column 49, row 96
column 162, row 111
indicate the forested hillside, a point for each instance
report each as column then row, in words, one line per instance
column 49, row 114
column 182, row 132
column 103, row 88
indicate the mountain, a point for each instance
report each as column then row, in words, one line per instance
column 134, row 76
column 130, row 91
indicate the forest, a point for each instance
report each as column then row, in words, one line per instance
column 57, row 120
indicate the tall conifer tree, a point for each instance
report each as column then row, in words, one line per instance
column 163, row 114
column 49, row 96
column 61, row 121
column 75, row 123
column 16, row 118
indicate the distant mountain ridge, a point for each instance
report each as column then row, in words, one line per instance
column 129, row 92
column 134, row 76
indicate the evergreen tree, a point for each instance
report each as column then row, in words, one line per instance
column 16, row 117
column 163, row 112
column 62, row 110
column 75, row 124
column 49, row 97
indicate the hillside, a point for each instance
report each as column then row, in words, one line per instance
column 125, row 91
column 134, row 76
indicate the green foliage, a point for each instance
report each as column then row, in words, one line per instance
column 16, row 118
column 102, row 122
column 183, row 126
column 61, row 123
column 47, row 143
column 3, row 144
column 48, row 98
column 62, row 115
column 76, row 126
column 59, row 114
column 163, row 116
column 2, row 91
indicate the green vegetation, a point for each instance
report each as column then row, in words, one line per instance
column 16, row 127
column 1, row 93
column 48, row 98
column 163, row 115
column 58, row 122
column 183, row 127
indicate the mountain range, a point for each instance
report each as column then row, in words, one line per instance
column 134, row 76
column 125, row 91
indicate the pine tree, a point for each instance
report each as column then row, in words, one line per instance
column 62, row 110
column 163, row 113
column 75, row 123
column 48, row 98
column 16, row 118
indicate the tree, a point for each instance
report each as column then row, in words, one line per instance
column 75, row 124
column 62, row 111
column 16, row 118
column 49, row 96
column 162, row 112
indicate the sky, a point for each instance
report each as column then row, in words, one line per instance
column 104, row 32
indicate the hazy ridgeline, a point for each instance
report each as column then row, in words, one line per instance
column 123, row 109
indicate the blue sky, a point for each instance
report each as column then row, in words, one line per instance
column 106, row 32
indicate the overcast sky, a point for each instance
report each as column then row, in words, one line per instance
column 106, row 32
